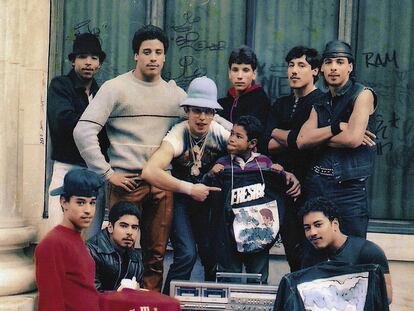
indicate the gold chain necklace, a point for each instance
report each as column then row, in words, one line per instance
column 197, row 152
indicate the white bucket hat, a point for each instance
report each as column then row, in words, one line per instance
column 202, row 92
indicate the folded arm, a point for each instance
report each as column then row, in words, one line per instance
column 278, row 140
column 310, row 135
column 352, row 135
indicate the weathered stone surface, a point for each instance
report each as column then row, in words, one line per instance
column 24, row 31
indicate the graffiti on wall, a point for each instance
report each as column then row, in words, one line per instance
column 394, row 123
column 187, row 39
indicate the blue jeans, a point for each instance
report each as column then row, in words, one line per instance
column 189, row 233
column 350, row 197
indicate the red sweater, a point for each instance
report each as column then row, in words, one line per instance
column 65, row 273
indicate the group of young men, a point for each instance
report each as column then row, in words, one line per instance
column 129, row 136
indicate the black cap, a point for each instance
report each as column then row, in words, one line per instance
column 87, row 43
column 79, row 182
column 337, row 48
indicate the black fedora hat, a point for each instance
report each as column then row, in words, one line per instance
column 87, row 43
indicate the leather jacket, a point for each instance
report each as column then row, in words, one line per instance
column 108, row 262
column 66, row 101
column 369, row 288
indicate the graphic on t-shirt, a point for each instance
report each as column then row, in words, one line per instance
column 267, row 216
column 255, row 226
column 346, row 292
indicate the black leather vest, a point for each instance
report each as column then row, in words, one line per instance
column 347, row 163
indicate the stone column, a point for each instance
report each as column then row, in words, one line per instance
column 24, row 33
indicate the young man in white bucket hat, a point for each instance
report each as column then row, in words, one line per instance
column 192, row 147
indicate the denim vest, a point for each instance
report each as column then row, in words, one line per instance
column 347, row 163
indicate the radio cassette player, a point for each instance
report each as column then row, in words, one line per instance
column 223, row 296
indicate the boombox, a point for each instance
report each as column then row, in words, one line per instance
column 223, row 296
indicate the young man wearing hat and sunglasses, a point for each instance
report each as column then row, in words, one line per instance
column 68, row 96
column 65, row 272
column 192, row 147
column 339, row 126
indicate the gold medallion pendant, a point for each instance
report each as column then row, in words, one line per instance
column 195, row 171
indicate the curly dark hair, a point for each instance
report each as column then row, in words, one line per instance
column 121, row 209
column 320, row 204
column 149, row 32
column 252, row 126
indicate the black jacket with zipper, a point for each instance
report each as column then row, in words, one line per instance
column 108, row 262
column 66, row 101
column 252, row 102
